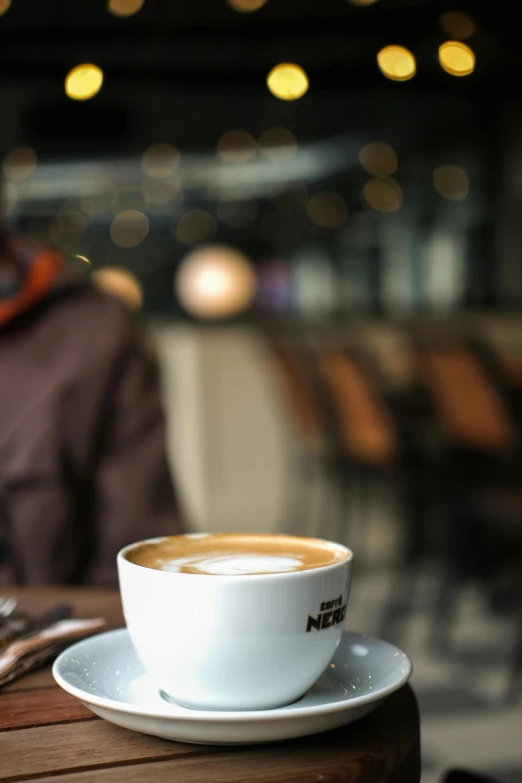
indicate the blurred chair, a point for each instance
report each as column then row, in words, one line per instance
column 480, row 476
column 312, row 458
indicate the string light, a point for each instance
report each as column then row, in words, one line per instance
column 129, row 228
column 246, row 6
column 379, row 159
column 160, row 160
column 125, row 7
column 5, row 5
column 277, row 144
column 397, row 63
column 287, row 81
column 237, row 146
column 451, row 182
column 383, row 195
column 327, row 210
column 458, row 25
column 83, row 82
column 216, row 282
column 457, row 58
column 20, row 164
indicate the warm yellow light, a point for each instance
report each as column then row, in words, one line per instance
column 246, row 6
column 362, row 2
column 239, row 214
column 160, row 160
column 287, row 82
column 216, row 282
column 379, row 159
column 277, row 144
column 5, row 5
column 196, row 227
column 458, row 25
column 383, row 195
column 83, row 82
column 451, row 182
column 83, row 259
column 129, row 228
column 237, row 146
column 327, row 210
column 67, row 228
column 457, row 58
column 125, row 7
column 20, row 163
column 397, row 63
column 121, row 284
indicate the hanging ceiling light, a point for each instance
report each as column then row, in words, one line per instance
column 125, row 7
column 246, row 6
column 287, row 81
column 457, row 58
column 397, row 63
column 83, row 82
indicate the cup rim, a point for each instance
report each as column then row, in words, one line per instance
column 347, row 560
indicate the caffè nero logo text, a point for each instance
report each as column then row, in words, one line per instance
column 332, row 613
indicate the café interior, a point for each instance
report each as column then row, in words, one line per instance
column 315, row 210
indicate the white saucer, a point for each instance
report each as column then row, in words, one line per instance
column 105, row 674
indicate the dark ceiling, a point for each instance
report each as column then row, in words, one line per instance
column 207, row 66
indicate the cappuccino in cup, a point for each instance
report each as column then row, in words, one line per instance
column 233, row 621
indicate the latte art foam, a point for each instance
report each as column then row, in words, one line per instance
column 236, row 554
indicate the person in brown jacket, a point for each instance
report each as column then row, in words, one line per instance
column 83, row 467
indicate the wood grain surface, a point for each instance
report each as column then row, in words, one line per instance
column 47, row 735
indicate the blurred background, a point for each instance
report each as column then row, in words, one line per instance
column 316, row 208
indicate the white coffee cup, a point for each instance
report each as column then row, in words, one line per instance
column 235, row 642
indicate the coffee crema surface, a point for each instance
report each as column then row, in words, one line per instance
column 232, row 554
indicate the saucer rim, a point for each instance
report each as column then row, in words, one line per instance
column 229, row 716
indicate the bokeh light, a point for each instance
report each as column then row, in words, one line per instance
column 216, row 282
column 362, row 3
column 125, row 7
column 379, row 159
column 451, row 182
column 237, row 214
column 121, row 284
column 397, row 63
column 160, row 160
column 161, row 192
column 327, row 210
column 457, row 58
column 458, row 25
column 67, row 228
column 5, row 5
column 195, row 227
column 383, row 195
column 246, row 6
column 99, row 198
column 129, row 228
column 237, row 146
column 83, row 82
column 277, row 144
column 20, row 163
column 287, row 81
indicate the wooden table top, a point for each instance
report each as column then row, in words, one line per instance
column 46, row 734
